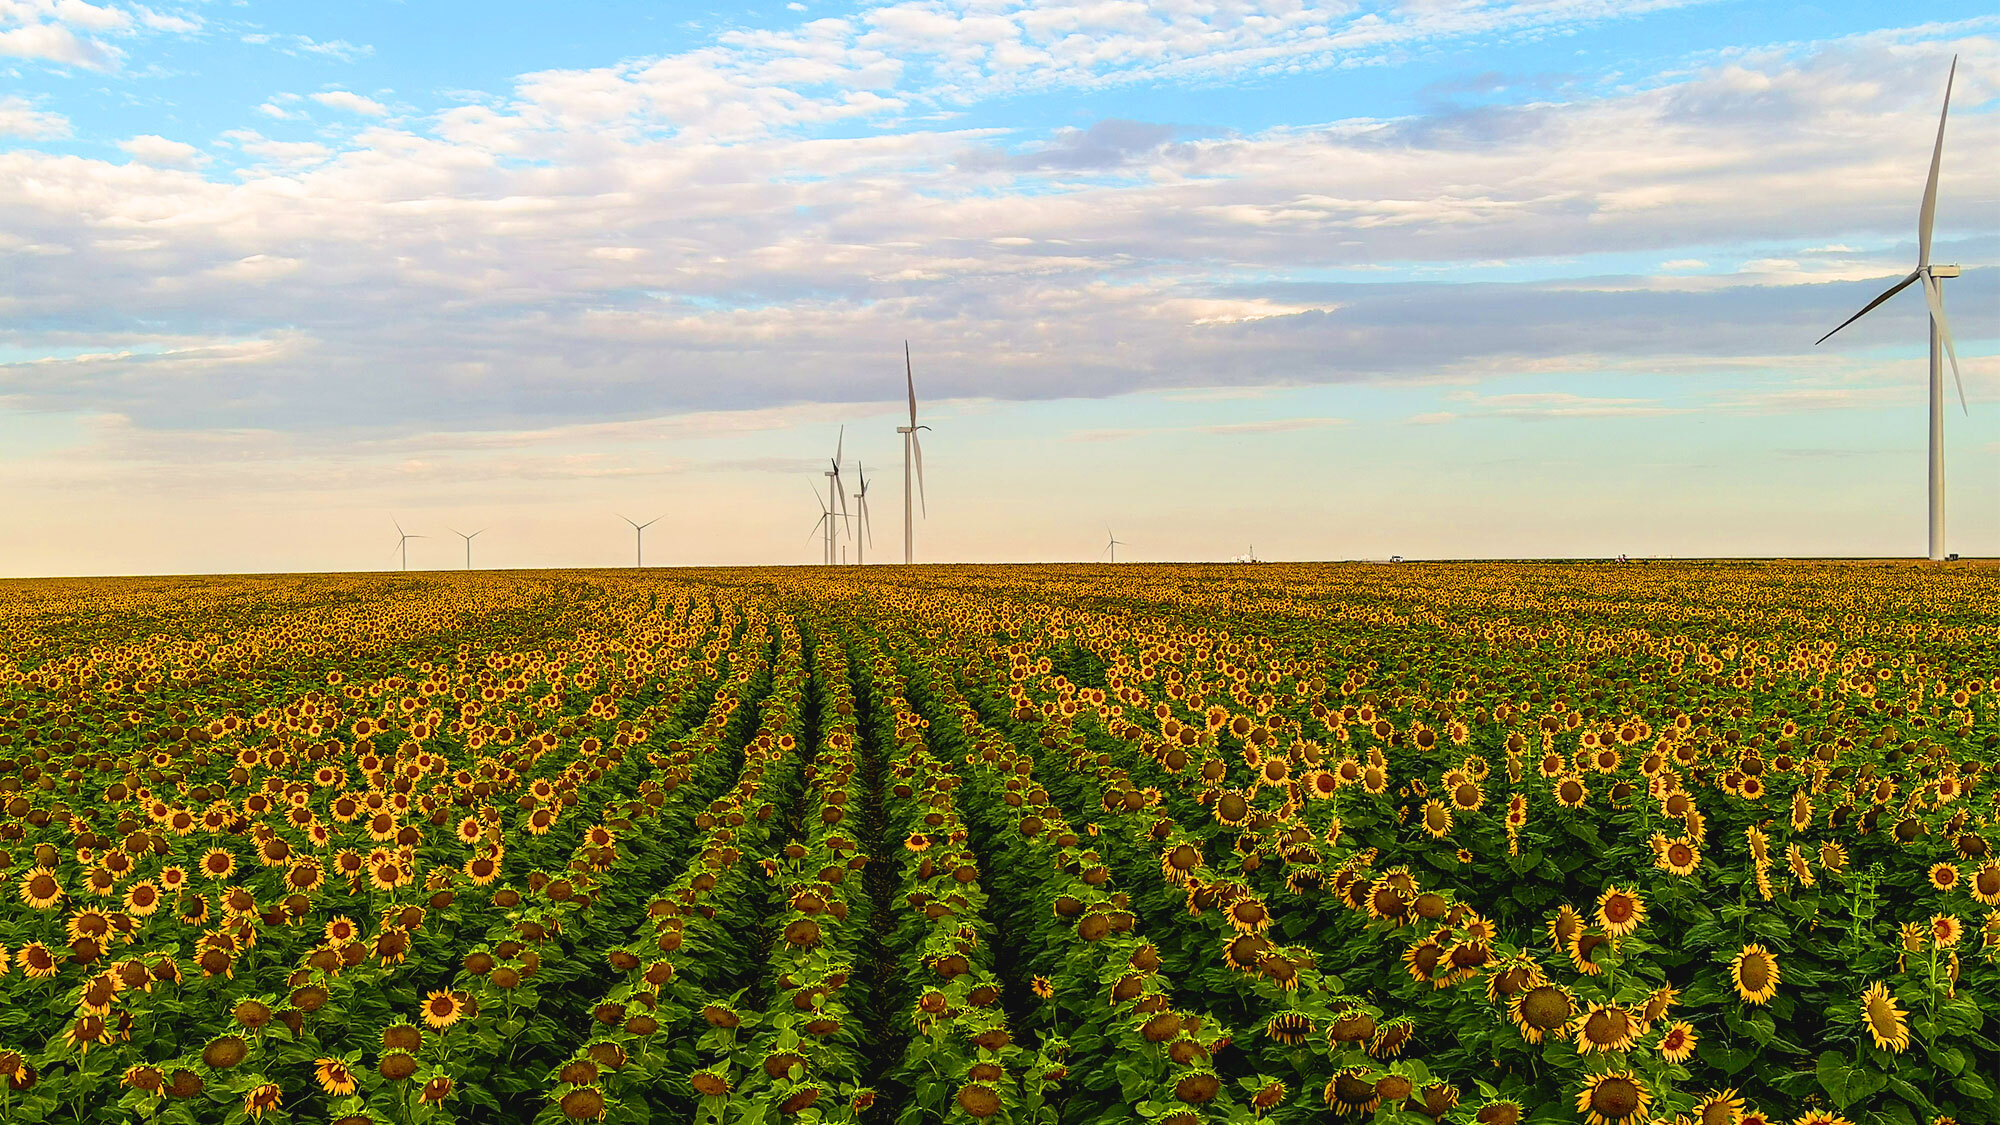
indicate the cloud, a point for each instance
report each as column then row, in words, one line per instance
column 56, row 43
column 351, row 103
column 1108, row 144
column 20, row 118
column 746, row 225
column 1224, row 429
column 156, row 150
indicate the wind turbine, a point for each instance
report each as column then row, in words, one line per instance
column 826, row 522
column 639, row 534
column 1112, row 545
column 838, row 494
column 403, row 541
column 911, row 448
column 1931, row 275
column 861, row 510
column 468, row 543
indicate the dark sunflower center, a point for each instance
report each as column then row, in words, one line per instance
column 1545, row 1007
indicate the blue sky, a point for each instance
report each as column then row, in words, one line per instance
column 1512, row 277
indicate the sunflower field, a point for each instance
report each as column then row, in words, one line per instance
column 1488, row 843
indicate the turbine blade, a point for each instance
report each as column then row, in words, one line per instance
column 910, row 380
column 399, row 526
column 1870, row 306
column 839, row 444
column 917, row 448
column 1929, row 210
column 1935, row 296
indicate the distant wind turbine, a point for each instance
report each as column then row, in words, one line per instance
column 911, row 448
column 837, row 495
column 468, row 543
column 1931, row 274
column 826, row 524
column 639, row 535
column 403, row 541
column 867, row 529
column 1112, row 544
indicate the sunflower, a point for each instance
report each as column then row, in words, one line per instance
column 1945, row 930
column 1795, row 858
column 1832, row 858
column 1620, row 911
column 263, row 1099
column 1564, row 927
column 1943, row 876
column 1583, row 952
column 1985, row 883
column 1436, row 818
column 142, row 899
column 1288, row 1028
column 1042, row 986
column 217, row 864
column 1606, row 1027
column 1678, row 1043
column 1391, row 1037
column 1754, row 971
column 1570, row 791
column 1545, row 1009
column 1719, row 1107
column 39, row 888
column 1885, row 1020
column 37, row 961
column 1615, row 1098
column 1348, row 1092
column 388, row 874
column 442, row 1009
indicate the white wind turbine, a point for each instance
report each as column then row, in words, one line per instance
column 867, row 529
column 911, row 448
column 639, row 535
column 1931, row 274
column 468, row 543
column 403, row 541
column 837, row 494
column 826, row 523
column 1112, row 543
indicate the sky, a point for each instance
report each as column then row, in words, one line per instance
column 1437, row 278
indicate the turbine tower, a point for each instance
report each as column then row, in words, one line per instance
column 867, row 529
column 1931, row 274
column 639, row 535
column 468, row 543
column 1112, row 544
column 403, row 541
column 911, row 448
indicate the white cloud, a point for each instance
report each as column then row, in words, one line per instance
column 58, row 44
column 351, row 103
column 150, row 149
column 20, row 118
